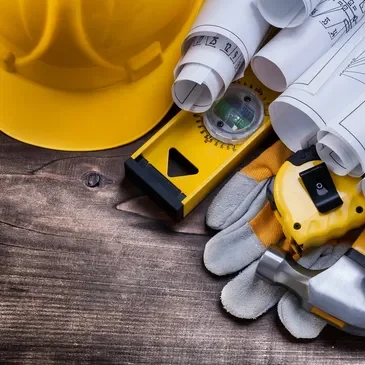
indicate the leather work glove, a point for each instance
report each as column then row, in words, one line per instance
column 247, row 227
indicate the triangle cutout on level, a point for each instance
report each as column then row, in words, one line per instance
column 179, row 165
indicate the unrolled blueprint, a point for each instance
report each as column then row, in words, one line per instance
column 293, row 50
column 216, row 52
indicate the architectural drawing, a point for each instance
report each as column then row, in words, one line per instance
column 356, row 68
column 339, row 16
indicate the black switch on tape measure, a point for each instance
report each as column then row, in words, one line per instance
column 321, row 188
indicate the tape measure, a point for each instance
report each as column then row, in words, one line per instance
column 187, row 158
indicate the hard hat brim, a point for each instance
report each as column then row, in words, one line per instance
column 84, row 121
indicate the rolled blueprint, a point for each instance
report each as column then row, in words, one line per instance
column 321, row 93
column 286, row 13
column 216, row 52
column 293, row 50
column 341, row 143
column 338, row 146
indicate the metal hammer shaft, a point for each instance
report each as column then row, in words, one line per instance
column 277, row 267
column 338, row 292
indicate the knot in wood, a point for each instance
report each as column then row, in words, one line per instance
column 93, row 179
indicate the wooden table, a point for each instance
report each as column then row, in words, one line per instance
column 92, row 273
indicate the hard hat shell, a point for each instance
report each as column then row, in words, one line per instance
column 88, row 74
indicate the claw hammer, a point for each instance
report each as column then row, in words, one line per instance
column 336, row 294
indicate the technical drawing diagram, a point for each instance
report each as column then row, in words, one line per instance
column 339, row 16
column 356, row 69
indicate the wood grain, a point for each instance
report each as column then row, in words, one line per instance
column 93, row 273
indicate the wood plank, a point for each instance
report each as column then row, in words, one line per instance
column 97, row 275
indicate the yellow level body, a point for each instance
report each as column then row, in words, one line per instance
column 213, row 160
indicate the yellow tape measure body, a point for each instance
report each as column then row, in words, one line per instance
column 186, row 139
column 303, row 225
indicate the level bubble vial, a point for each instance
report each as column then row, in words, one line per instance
column 236, row 116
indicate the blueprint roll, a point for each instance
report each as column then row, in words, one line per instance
column 216, row 51
column 293, row 50
column 335, row 147
column 341, row 144
column 321, row 94
column 286, row 13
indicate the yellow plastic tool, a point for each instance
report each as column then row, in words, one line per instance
column 185, row 138
column 88, row 74
column 303, row 224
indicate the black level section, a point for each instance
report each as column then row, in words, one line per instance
column 356, row 256
column 156, row 186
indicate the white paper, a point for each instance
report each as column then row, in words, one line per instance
column 321, row 93
column 197, row 86
column 345, row 154
column 223, row 39
column 225, row 58
column 339, row 157
column 286, row 13
column 293, row 50
column 361, row 186
column 203, row 75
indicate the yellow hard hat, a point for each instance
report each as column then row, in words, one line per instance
column 88, row 74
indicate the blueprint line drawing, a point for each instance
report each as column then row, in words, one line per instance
column 331, row 31
column 339, row 91
column 356, row 68
column 323, row 69
column 339, row 16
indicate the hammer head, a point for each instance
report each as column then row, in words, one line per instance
column 338, row 291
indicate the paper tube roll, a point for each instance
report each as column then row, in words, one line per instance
column 286, row 13
column 332, row 86
column 197, row 92
column 196, row 88
column 336, row 153
column 293, row 50
column 238, row 20
column 223, row 39
column 361, row 186
column 295, row 122
column 341, row 145
column 290, row 53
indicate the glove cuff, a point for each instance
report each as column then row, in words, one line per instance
column 268, row 163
